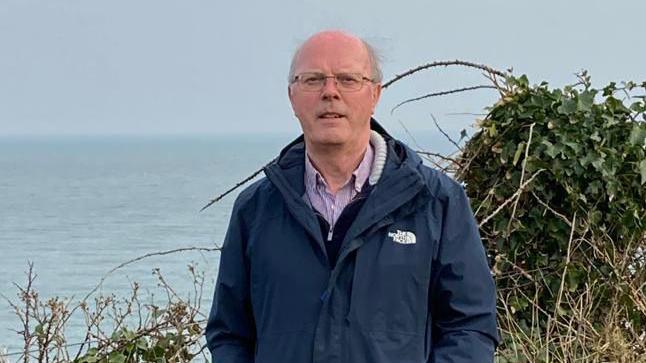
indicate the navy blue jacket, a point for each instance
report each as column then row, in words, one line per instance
column 389, row 297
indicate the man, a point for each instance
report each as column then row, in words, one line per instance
column 350, row 250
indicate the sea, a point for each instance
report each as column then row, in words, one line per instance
column 77, row 207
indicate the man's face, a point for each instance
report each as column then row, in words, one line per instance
column 329, row 117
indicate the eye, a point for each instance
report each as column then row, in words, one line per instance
column 311, row 78
column 348, row 79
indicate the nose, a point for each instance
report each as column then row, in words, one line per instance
column 330, row 90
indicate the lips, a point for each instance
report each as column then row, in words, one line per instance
column 331, row 115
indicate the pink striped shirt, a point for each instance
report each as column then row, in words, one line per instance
column 321, row 198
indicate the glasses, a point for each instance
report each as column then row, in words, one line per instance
column 345, row 82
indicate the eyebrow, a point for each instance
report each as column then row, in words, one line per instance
column 321, row 72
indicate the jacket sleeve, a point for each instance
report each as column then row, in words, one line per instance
column 463, row 296
column 230, row 331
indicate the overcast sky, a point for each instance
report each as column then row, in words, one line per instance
column 161, row 66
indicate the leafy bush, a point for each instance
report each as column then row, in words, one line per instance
column 557, row 180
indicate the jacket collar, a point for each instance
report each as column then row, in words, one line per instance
column 401, row 189
column 290, row 161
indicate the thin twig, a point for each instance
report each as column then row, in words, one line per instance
column 562, row 285
column 441, row 93
column 94, row 319
column 522, row 176
column 437, row 155
column 161, row 253
column 504, row 204
column 464, row 114
column 26, row 333
column 409, row 133
column 238, row 185
column 444, row 133
column 518, row 268
column 36, row 351
column 494, row 79
column 424, row 154
column 541, row 202
column 26, row 297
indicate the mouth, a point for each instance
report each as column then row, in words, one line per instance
column 330, row 115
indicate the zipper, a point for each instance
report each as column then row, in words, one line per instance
column 330, row 233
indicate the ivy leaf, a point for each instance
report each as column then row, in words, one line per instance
column 598, row 163
column 593, row 188
column 638, row 106
column 90, row 357
column 610, row 89
column 492, row 131
column 518, row 153
column 567, row 107
column 551, row 150
column 587, row 159
column 142, row 344
column 642, row 171
column 128, row 334
column 616, row 106
column 585, row 100
column 116, row 357
column 638, row 135
column 574, row 277
column 609, row 121
column 595, row 137
column 573, row 145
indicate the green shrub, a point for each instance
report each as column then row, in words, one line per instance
column 557, row 179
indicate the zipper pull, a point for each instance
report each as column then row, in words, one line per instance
column 330, row 233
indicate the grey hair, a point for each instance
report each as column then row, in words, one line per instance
column 374, row 57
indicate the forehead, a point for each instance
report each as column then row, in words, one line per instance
column 333, row 53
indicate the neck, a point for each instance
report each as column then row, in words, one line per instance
column 336, row 163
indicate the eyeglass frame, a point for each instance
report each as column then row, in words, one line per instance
column 336, row 81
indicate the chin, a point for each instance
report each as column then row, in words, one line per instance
column 329, row 137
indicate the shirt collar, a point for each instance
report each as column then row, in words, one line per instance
column 359, row 176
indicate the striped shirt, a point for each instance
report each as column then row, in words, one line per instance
column 321, row 198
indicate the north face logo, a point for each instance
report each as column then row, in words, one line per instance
column 403, row 237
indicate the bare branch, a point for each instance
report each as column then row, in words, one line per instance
column 522, row 176
column 541, row 202
column 238, row 185
column 511, row 199
column 557, row 306
column 437, row 155
column 444, row 64
column 441, row 93
column 161, row 253
column 444, row 133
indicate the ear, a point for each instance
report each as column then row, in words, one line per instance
column 289, row 94
column 376, row 94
